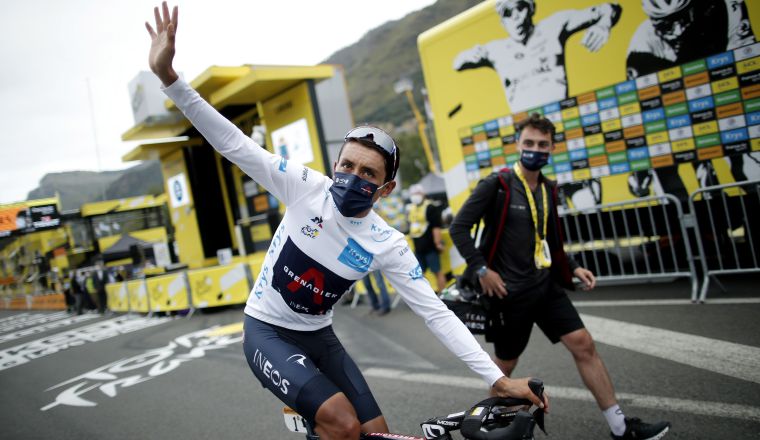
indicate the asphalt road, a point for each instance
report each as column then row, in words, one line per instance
column 128, row 377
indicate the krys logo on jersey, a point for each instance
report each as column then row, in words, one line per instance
column 379, row 234
column 305, row 285
column 355, row 257
column 112, row 378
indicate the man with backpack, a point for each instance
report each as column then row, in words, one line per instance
column 521, row 266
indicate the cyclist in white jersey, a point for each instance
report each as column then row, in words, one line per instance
column 328, row 239
column 531, row 61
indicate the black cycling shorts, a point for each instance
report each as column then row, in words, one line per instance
column 305, row 368
column 512, row 318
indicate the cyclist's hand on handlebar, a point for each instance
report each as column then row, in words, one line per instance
column 506, row 387
column 492, row 284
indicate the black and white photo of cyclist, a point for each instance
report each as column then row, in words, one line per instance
column 530, row 61
column 676, row 32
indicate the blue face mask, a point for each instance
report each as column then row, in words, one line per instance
column 533, row 160
column 352, row 194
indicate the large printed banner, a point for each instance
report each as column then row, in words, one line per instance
column 26, row 217
column 706, row 109
column 648, row 96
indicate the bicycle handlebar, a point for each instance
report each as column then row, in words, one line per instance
column 520, row 428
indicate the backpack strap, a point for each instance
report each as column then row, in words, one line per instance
column 503, row 217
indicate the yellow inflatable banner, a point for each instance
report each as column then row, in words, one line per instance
column 138, row 296
column 168, row 292
column 220, row 285
column 118, row 298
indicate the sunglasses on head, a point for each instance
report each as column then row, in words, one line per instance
column 380, row 139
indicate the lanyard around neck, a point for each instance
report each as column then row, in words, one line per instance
column 532, row 203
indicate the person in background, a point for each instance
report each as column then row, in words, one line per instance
column 425, row 230
column 522, row 267
column 381, row 306
column 100, row 278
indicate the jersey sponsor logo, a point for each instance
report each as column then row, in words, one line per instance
column 416, row 273
column 403, row 252
column 355, row 257
column 283, row 164
column 305, row 285
column 305, row 174
column 271, row 373
column 298, row 359
column 356, row 222
column 310, row 232
column 263, row 281
column 276, row 240
column 318, row 221
column 379, row 234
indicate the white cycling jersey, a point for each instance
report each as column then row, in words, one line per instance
column 317, row 254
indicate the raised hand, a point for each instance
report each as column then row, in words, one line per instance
column 162, row 44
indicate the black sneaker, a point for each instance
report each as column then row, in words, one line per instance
column 636, row 429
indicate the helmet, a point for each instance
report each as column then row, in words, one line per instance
column 663, row 8
column 502, row 5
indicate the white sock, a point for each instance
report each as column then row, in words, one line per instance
column 616, row 419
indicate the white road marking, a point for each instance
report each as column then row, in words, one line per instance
column 372, row 348
column 723, row 357
column 21, row 354
column 659, row 403
column 13, row 317
column 662, row 302
column 30, row 320
column 47, row 326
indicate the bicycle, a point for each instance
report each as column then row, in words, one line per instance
column 495, row 418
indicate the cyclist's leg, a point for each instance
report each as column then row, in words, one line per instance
column 284, row 365
column 560, row 321
column 338, row 366
column 336, row 419
column 511, row 322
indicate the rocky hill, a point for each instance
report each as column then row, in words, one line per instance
column 78, row 187
column 386, row 54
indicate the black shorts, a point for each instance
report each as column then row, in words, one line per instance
column 304, row 369
column 512, row 318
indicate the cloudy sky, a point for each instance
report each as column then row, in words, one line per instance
column 66, row 65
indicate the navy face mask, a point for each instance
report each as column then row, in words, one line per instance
column 352, row 194
column 533, row 160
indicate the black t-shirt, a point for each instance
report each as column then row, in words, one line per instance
column 515, row 256
column 425, row 243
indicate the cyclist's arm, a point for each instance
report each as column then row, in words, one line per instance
column 274, row 173
column 473, row 58
column 403, row 272
column 604, row 14
column 739, row 27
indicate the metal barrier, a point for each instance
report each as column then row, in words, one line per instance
column 728, row 241
column 642, row 240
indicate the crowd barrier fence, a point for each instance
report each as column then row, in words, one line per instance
column 727, row 239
